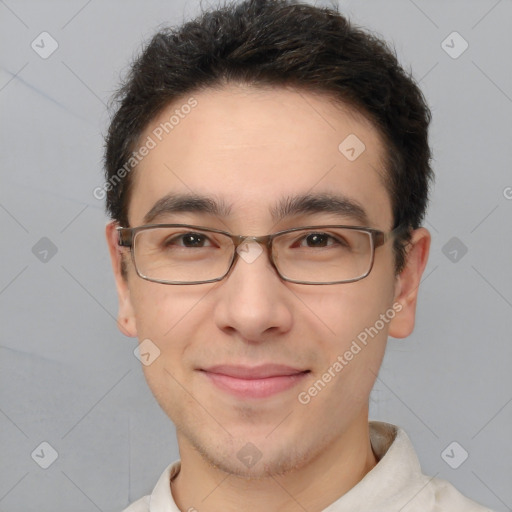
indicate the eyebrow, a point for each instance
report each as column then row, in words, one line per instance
column 304, row 204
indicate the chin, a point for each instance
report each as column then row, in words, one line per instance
column 261, row 458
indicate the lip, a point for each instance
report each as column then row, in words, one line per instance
column 254, row 382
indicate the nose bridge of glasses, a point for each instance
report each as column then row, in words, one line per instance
column 241, row 251
column 264, row 240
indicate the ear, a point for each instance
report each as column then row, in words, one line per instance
column 126, row 317
column 408, row 282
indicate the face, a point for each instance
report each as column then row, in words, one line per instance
column 250, row 148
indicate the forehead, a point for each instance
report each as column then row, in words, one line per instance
column 254, row 149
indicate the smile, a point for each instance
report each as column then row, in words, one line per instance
column 256, row 382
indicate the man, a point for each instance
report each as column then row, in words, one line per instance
column 267, row 173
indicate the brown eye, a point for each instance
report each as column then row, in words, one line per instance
column 188, row 240
column 312, row 240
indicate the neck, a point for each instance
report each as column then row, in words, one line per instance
column 344, row 463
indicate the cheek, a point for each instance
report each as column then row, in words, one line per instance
column 159, row 309
column 160, row 315
column 171, row 317
column 352, row 359
column 355, row 318
column 344, row 311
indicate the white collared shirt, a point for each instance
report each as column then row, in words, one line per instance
column 395, row 484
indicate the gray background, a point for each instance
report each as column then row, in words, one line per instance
column 69, row 378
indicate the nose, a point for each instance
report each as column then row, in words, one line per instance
column 253, row 300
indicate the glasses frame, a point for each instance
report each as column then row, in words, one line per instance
column 126, row 238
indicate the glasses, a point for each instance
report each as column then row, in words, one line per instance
column 185, row 254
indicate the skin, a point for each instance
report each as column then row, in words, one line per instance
column 252, row 146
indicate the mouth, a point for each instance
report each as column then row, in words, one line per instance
column 254, row 382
